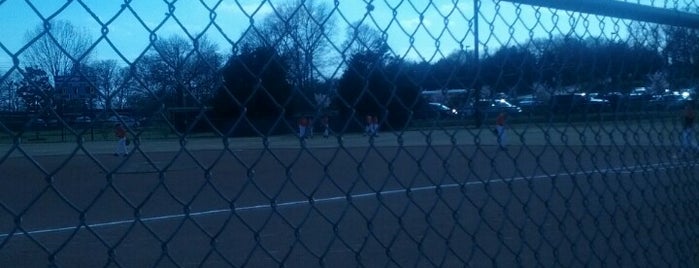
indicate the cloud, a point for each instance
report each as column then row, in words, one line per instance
column 415, row 22
column 461, row 6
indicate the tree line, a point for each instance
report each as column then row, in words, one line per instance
column 280, row 69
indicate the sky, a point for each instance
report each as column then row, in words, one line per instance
column 417, row 29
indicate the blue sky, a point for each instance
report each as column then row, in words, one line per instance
column 419, row 29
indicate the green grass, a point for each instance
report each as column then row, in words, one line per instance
column 162, row 131
column 90, row 133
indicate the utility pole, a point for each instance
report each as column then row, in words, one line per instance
column 477, row 85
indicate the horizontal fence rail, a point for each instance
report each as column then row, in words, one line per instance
column 622, row 10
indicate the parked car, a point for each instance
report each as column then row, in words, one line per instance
column 496, row 106
column 486, row 109
column 435, row 110
column 616, row 100
column 668, row 102
column 38, row 123
column 128, row 121
column 597, row 104
column 83, row 119
column 530, row 103
column 640, row 92
column 578, row 103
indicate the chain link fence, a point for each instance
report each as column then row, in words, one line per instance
column 310, row 133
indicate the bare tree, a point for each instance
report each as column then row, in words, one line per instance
column 176, row 73
column 302, row 31
column 187, row 68
column 108, row 79
column 362, row 37
column 57, row 47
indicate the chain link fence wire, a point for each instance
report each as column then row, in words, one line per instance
column 298, row 133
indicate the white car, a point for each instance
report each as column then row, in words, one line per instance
column 83, row 119
column 435, row 110
column 128, row 121
column 38, row 122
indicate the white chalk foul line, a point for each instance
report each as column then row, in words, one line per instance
column 616, row 170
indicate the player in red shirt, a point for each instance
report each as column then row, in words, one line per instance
column 303, row 124
column 688, row 120
column 326, row 126
column 500, row 128
column 120, row 134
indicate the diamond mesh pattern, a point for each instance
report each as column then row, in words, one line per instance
column 358, row 133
